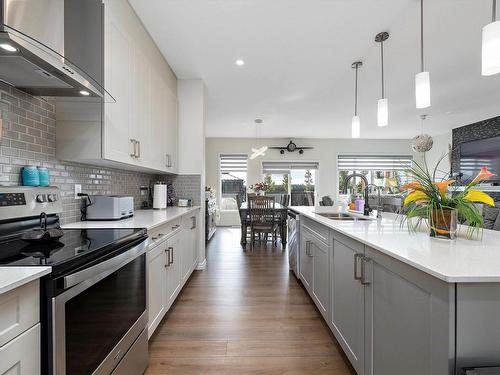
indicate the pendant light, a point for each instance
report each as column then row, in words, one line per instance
column 491, row 45
column 383, row 103
column 422, row 79
column 258, row 151
column 356, row 124
column 422, row 142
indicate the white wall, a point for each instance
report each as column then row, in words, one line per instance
column 191, row 98
column 438, row 151
column 325, row 152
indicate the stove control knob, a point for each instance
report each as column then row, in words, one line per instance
column 40, row 198
column 51, row 197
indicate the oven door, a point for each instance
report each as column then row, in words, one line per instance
column 99, row 317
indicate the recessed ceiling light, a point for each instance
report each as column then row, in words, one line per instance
column 84, row 93
column 239, row 62
column 8, row 47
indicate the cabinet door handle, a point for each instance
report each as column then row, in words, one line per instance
column 138, row 149
column 167, row 252
column 194, row 222
column 356, row 257
column 134, row 153
column 171, row 255
column 364, row 260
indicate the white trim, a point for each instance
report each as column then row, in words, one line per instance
column 201, row 265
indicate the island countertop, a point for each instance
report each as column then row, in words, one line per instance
column 457, row 261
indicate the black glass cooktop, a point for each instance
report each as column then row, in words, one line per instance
column 75, row 247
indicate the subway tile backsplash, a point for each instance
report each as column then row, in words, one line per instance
column 29, row 138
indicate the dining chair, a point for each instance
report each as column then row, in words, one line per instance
column 262, row 217
column 281, row 216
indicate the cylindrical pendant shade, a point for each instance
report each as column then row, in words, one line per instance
column 383, row 112
column 422, row 90
column 356, row 127
column 491, row 49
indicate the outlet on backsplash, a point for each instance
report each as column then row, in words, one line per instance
column 78, row 190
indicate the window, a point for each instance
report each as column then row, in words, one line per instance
column 295, row 178
column 233, row 179
column 388, row 172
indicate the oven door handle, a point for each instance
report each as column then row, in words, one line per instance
column 108, row 266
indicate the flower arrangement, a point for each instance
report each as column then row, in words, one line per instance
column 259, row 187
column 209, row 192
column 442, row 205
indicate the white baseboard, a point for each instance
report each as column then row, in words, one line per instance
column 202, row 265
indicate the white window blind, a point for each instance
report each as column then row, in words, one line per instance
column 281, row 167
column 374, row 162
column 230, row 163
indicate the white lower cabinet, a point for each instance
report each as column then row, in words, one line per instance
column 21, row 356
column 157, row 285
column 171, row 261
column 174, row 262
column 20, row 330
column 189, row 244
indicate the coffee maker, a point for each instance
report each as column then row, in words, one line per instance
column 146, row 194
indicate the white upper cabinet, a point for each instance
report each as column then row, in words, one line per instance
column 139, row 130
column 118, row 137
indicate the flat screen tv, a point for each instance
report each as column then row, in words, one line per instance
column 477, row 154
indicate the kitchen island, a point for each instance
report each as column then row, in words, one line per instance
column 401, row 303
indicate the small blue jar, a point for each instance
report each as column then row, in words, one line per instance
column 31, row 176
column 43, row 174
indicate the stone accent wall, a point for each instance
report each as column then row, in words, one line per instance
column 29, row 138
column 480, row 130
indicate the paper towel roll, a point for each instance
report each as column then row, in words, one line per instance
column 159, row 196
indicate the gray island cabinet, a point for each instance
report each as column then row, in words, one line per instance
column 389, row 317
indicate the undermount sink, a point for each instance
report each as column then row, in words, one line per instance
column 342, row 216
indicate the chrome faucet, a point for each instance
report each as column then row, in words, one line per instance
column 379, row 200
column 366, row 209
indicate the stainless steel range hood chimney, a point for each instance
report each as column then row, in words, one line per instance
column 32, row 39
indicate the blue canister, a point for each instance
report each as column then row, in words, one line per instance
column 31, row 176
column 44, row 177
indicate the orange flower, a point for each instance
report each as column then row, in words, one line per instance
column 443, row 186
column 411, row 186
column 483, row 174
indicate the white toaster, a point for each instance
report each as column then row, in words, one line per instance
column 110, row 207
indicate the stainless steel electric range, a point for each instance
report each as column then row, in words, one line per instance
column 93, row 310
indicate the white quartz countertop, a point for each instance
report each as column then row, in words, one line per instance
column 148, row 219
column 457, row 261
column 14, row 277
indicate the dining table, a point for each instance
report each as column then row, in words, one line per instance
column 280, row 214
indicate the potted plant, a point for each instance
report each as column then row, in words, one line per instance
column 443, row 204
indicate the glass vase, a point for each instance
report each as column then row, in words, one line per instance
column 443, row 223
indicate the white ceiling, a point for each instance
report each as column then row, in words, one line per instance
column 298, row 54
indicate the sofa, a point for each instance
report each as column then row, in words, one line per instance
column 492, row 217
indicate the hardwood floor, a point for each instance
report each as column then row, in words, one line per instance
column 245, row 314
